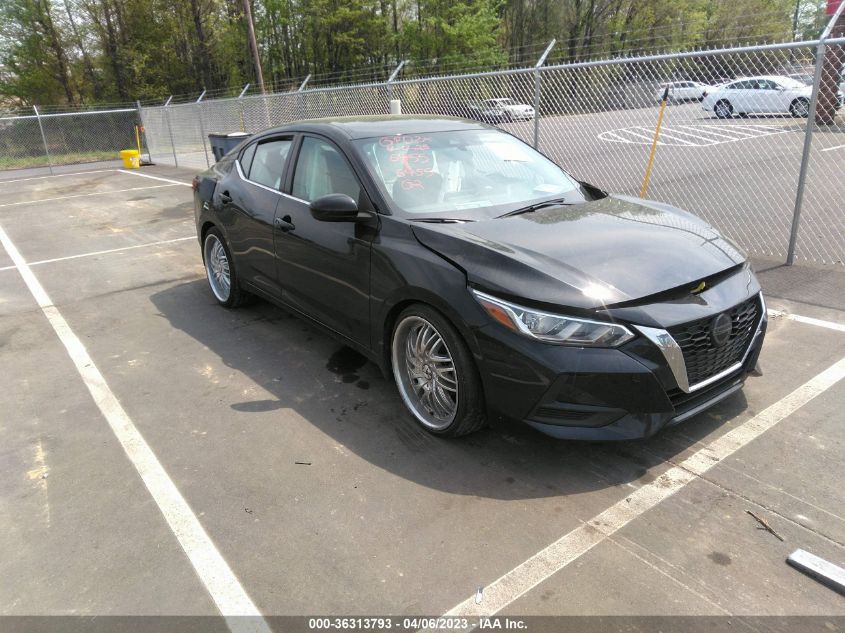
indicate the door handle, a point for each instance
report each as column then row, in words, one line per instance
column 284, row 224
column 225, row 198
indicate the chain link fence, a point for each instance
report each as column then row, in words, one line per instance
column 739, row 144
column 733, row 154
column 49, row 139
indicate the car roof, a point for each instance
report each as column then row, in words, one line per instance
column 354, row 127
column 771, row 77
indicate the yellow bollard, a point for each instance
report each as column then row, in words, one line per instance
column 654, row 142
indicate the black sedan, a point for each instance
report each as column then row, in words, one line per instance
column 482, row 277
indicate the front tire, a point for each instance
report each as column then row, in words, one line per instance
column 724, row 109
column 435, row 373
column 220, row 271
column 800, row 108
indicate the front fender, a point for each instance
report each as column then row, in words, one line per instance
column 404, row 272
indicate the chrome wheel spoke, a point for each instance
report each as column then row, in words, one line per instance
column 440, row 396
column 411, row 351
column 217, row 268
column 422, row 336
column 425, row 372
column 427, row 401
column 447, row 379
column 430, row 342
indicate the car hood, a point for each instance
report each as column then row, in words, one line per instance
column 587, row 255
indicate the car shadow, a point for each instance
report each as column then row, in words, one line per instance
column 345, row 396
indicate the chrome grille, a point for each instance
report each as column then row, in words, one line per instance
column 705, row 359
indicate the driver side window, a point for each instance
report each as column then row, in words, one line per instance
column 321, row 170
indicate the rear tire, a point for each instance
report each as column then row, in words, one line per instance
column 723, row 109
column 435, row 373
column 220, row 271
column 800, row 108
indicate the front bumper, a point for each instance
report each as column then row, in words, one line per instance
column 602, row 394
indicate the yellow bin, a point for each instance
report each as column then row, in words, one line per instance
column 131, row 158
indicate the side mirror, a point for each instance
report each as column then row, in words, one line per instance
column 335, row 207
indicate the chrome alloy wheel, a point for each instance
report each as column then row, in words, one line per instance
column 217, row 268
column 425, row 372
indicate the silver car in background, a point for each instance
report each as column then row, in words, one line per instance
column 511, row 109
column 683, row 91
column 766, row 94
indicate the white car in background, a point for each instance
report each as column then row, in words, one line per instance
column 511, row 109
column 683, row 90
column 767, row 94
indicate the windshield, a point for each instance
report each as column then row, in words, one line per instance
column 507, row 101
column 462, row 171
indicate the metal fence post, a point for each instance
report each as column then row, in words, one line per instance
column 537, row 90
column 391, row 79
column 170, row 129
column 44, row 139
column 808, row 138
column 143, row 129
column 241, row 105
column 202, row 128
column 300, row 97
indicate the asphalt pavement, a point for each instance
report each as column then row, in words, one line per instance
column 164, row 456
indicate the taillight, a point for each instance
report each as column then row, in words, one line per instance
column 704, row 94
column 195, row 183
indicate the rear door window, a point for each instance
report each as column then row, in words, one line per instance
column 268, row 164
column 246, row 158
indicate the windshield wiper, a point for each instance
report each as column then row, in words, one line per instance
column 442, row 220
column 531, row 208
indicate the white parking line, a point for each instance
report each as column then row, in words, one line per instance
column 134, row 173
column 830, row 149
column 675, row 135
column 707, row 140
column 83, row 195
column 75, row 173
column 613, row 136
column 632, row 132
column 105, row 252
column 224, row 587
column 742, row 133
column 702, row 129
column 544, row 564
column 830, row 325
column 669, row 134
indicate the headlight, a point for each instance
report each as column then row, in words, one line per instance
column 553, row 328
